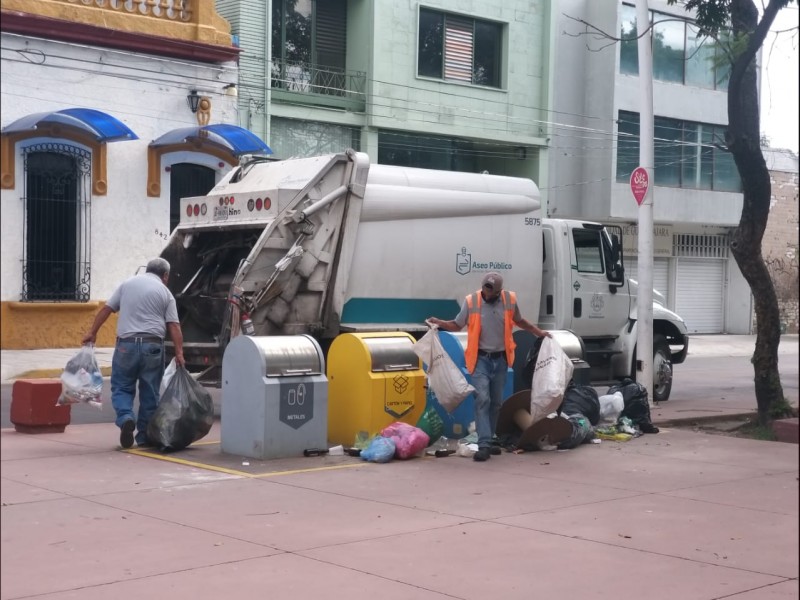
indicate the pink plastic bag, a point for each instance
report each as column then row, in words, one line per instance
column 409, row 440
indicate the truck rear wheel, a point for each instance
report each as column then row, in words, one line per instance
column 662, row 369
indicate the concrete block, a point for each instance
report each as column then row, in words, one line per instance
column 787, row 430
column 33, row 406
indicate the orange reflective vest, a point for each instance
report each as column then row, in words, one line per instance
column 474, row 327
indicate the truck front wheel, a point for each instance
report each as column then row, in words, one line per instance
column 662, row 369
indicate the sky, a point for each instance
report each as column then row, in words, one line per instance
column 779, row 83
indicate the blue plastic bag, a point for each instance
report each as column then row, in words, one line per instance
column 380, row 450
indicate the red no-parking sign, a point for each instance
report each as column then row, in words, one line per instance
column 640, row 181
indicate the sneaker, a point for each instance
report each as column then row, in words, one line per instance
column 495, row 450
column 126, row 434
column 482, row 455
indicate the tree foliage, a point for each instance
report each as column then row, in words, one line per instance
column 738, row 25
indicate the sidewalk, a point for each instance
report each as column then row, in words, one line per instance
column 674, row 515
column 677, row 515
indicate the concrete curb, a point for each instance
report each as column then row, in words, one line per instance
column 745, row 416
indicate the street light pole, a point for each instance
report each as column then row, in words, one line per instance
column 644, row 306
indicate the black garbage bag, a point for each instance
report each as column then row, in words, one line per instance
column 582, row 432
column 637, row 406
column 185, row 413
column 581, row 399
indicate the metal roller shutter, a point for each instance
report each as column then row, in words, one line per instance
column 699, row 295
column 660, row 273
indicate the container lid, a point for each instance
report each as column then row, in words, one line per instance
column 392, row 354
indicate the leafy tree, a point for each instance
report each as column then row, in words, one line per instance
column 740, row 30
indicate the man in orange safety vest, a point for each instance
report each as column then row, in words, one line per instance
column 490, row 315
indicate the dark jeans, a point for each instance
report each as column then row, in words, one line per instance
column 133, row 362
column 489, row 380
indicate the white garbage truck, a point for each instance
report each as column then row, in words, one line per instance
column 334, row 244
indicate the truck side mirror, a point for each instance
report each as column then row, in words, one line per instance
column 615, row 248
column 616, row 272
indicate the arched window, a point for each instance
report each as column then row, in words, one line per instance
column 57, row 223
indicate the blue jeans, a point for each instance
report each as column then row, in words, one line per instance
column 489, row 380
column 133, row 362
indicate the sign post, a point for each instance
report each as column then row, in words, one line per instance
column 643, row 193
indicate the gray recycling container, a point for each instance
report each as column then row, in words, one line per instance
column 274, row 396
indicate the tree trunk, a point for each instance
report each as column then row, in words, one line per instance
column 743, row 140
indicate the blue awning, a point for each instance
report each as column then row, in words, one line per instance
column 102, row 126
column 235, row 139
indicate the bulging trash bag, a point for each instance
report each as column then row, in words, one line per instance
column 611, row 406
column 408, row 440
column 582, row 432
column 185, row 413
column 81, row 380
column 637, row 405
column 444, row 377
column 380, row 450
column 583, row 400
column 550, row 378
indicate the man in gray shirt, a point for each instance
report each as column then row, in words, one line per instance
column 490, row 315
column 147, row 311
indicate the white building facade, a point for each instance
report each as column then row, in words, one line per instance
column 594, row 147
column 98, row 144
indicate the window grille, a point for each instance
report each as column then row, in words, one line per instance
column 56, row 231
column 701, row 246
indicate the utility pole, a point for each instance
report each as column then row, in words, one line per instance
column 644, row 306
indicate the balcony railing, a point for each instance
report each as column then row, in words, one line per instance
column 324, row 86
column 172, row 10
column 195, row 20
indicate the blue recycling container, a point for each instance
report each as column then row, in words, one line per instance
column 456, row 425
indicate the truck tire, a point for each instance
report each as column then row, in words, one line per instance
column 662, row 369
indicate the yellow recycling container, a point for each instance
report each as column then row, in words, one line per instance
column 374, row 379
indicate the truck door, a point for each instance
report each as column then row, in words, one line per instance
column 600, row 298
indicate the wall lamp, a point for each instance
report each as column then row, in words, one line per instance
column 230, row 90
column 193, row 99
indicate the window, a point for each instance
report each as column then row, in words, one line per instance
column 669, row 37
column 667, row 147
column 627, row 144
column 588, row 250
column 457, row 48
column 428, row 152
column 680, row 53
column 629, row 46
column 699, row 59
column 309, row 43
column 687, row 154
column 56, row 231
column 295, row 137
